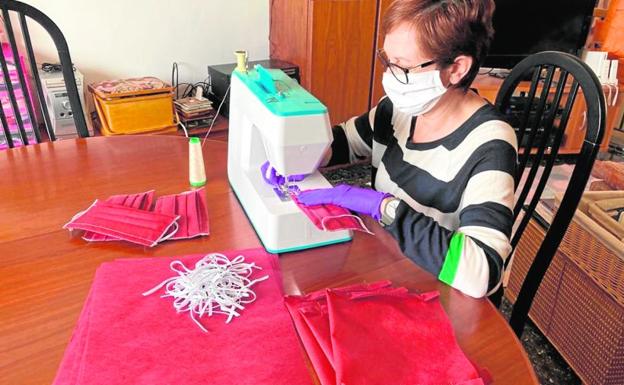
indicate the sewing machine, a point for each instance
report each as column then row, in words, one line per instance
column 273, row 118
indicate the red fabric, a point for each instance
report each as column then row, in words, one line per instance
column 125, row 223
column 125, row 338
column 330, row 217
column 395, row 338
column 310, row 311
column 141, row 201
column 322, row 366
column 70, row 365
column 377, row 334
column 191, row 207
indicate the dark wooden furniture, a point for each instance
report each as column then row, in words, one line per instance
column 45, row 273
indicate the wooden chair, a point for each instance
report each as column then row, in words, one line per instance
column 540, row 117
column 23, row 12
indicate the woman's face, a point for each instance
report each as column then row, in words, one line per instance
column 402, row 47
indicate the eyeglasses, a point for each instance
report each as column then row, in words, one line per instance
column 400, row 73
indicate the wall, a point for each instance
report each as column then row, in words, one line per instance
column 111, row 39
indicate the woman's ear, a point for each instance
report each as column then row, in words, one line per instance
column 460, row 67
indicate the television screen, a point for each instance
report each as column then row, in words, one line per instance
column 523, row 27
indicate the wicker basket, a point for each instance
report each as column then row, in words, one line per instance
column 580, row 304
column 133, row 106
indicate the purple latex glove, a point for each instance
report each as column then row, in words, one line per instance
column 361, row 200
column 273, row 178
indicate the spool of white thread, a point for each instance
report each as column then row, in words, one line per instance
column 241, row 61
column 197, row 172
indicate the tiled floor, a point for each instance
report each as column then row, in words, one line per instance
column 548, row 364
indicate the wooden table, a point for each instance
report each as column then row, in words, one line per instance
column 45, row 272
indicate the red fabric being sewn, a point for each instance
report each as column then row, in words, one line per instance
column 331, row 217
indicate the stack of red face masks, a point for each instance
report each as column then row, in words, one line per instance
column 131, row 218
column 123, row 337
column 378, row 334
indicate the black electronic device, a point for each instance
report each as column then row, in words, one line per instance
column 515, row 112
column 220, row 79
column 524, row 27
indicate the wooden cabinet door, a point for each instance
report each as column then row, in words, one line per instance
column 377, row 91
column 341, row 42
column 333, row 43
column 288, row 35
column 577, row 125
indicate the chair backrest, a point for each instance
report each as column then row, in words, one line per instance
column 27, row 118
column 540, row 116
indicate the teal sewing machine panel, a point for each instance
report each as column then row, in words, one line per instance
column 281, row 95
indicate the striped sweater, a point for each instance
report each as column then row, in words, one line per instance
column 457, row 193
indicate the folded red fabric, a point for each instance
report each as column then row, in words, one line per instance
column 126, row 338
column 322, row 365
column 126, row 223
column 395, row 338
column 141, row 201
column 191, row 207
column 377, row 334
column 309, row 314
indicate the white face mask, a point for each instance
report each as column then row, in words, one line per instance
column 422, row 92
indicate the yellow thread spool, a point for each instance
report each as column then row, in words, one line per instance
column 241, row 60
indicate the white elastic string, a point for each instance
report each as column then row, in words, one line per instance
column 179, row 123
column 216, row 115
column 617, row 91
column 342, row 216
column 216, row 285
column 166, row 236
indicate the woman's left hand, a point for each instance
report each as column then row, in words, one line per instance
column 361, row 200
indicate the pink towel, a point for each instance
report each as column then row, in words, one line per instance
column 123, row 337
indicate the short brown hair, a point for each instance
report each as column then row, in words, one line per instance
column 451, row 28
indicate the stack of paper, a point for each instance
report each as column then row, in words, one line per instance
column 194, row 108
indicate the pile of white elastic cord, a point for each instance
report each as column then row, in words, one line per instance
column 216, row 286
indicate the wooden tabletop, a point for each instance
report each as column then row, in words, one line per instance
column 45, row 273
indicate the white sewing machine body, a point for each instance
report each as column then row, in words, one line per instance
column 289, row 128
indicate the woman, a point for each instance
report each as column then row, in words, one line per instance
column 443, row 158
